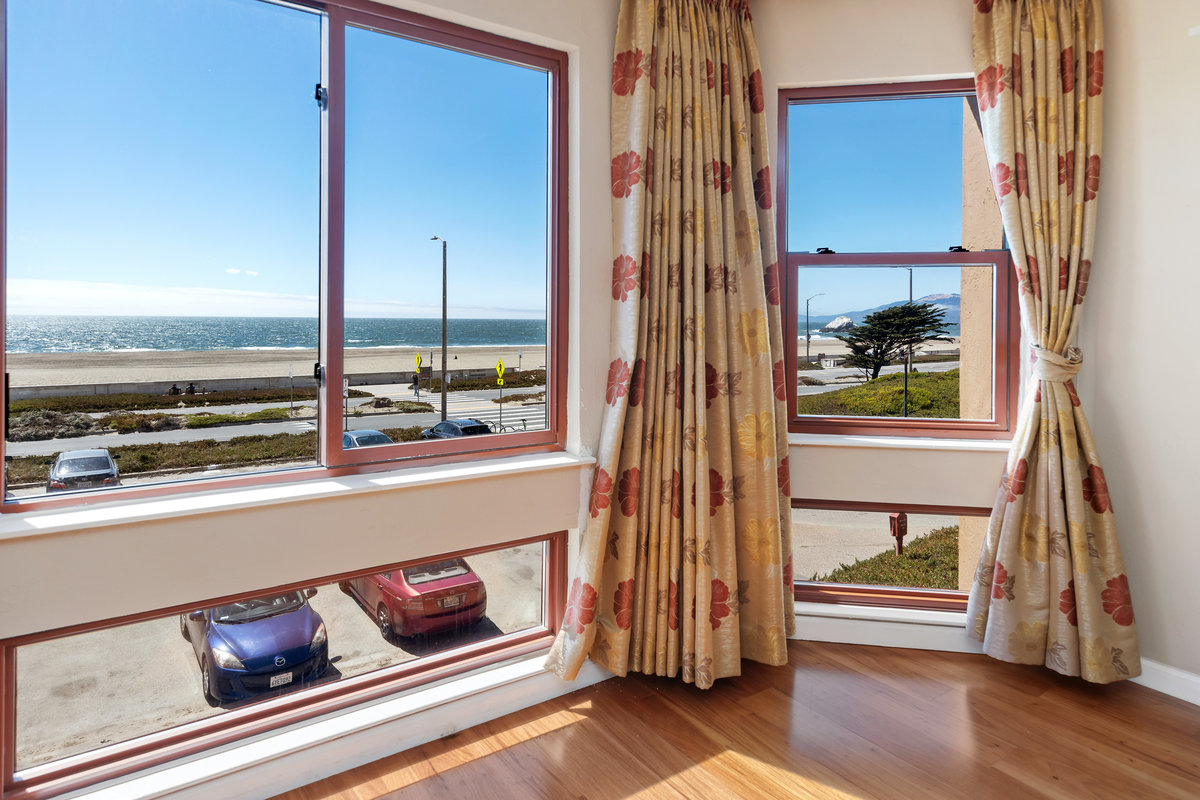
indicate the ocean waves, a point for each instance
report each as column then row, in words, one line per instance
column 88, row 334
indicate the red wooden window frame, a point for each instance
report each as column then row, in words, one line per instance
column 123, row 758
column 905, row 597
column 332, row 459
column 1006, row 321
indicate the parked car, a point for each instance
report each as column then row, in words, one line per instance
column 450, row 428
column 427, row 598
column 83, row 469
column 363, row 439
column 253, row 646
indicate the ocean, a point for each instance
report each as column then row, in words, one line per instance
column 87, row 334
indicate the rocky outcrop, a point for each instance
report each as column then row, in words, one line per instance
column 838, row 325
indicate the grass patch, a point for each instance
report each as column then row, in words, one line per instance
column 532, row 397
column 137, row 458
column 801, row 364
column 94, row 403
column 928, row 562
column 934, row 359
column 804, row 380
column 512, row 380
column 930, row 394
column 203, row 420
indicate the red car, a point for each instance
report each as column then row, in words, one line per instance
column 427, row 598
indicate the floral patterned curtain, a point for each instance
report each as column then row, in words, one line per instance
column 1051, row 586
column 685, row 562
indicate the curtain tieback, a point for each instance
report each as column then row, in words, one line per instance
column 1050, row 366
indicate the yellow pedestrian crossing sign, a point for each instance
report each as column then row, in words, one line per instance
column 418, row 360
column 500, row 373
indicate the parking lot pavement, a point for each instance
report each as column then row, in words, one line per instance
column 87, row 690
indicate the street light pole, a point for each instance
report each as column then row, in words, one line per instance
column 443, row 241
column 806, row 334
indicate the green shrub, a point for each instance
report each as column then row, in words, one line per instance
column 930, row 561
column 204, row 420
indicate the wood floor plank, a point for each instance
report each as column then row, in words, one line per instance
column 838, row 722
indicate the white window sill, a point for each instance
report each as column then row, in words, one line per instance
column 288, row 758
column 115, row 512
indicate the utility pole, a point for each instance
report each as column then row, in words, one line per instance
column 443, row 241
column 807, row 337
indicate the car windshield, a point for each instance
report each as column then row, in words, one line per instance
column 474, row 430
column 372, row 438
column 77, row 466
column 258, row 608
column 424, row 573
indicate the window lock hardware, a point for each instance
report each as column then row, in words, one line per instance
column 825, row 251
column 321, row 95
column 318, row 373
column 958, row 248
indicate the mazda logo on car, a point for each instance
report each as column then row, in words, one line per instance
column 280, row 661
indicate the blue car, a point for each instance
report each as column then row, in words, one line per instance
column 255, row 646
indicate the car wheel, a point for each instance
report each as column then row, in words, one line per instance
column 385, row 621
column 206, row 684
column 183, row 631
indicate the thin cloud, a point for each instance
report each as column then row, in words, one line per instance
column 233, row 271
column 252, row 273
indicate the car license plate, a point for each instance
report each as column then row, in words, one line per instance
column 452, row 601
column 282, row 679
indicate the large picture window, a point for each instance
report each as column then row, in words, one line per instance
column 901, row 310
column 245, row 238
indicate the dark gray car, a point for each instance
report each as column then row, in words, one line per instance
column 83, row 469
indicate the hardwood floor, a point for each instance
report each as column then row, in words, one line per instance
column 841, row 721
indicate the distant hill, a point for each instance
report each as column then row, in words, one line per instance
column 950, row 303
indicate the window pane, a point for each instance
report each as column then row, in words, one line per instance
column 422, row 162
column 877, row 175
column 162, row 238
column 83, row 691
column 833, row 546
column 947, row 322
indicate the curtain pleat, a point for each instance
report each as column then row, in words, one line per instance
column 685, row 561
column 1051, row 586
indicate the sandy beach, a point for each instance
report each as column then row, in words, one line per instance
column 199, row 366
column 836, row 347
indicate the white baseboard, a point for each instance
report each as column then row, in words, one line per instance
column 1170, row 681
column 288, row 758
column 939, row 630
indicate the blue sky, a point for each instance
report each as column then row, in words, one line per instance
column 874, row 176
column 164, row 159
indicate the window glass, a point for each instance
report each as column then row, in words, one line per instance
column 82, row 691
column 161, row 237
column 435, row 183
column 858, row 547
column 870, row 344
column 875, row 175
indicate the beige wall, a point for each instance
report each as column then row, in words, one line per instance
column 78, row 570
column 1145, row 280
column 1138, row 384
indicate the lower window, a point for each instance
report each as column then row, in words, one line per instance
column 870, row 554
column 107, row 698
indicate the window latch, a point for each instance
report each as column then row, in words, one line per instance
column 322, row 97
column 318, row 373
column 958, row 248
column 825, row 251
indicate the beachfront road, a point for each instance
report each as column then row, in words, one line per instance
column 475, row 403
